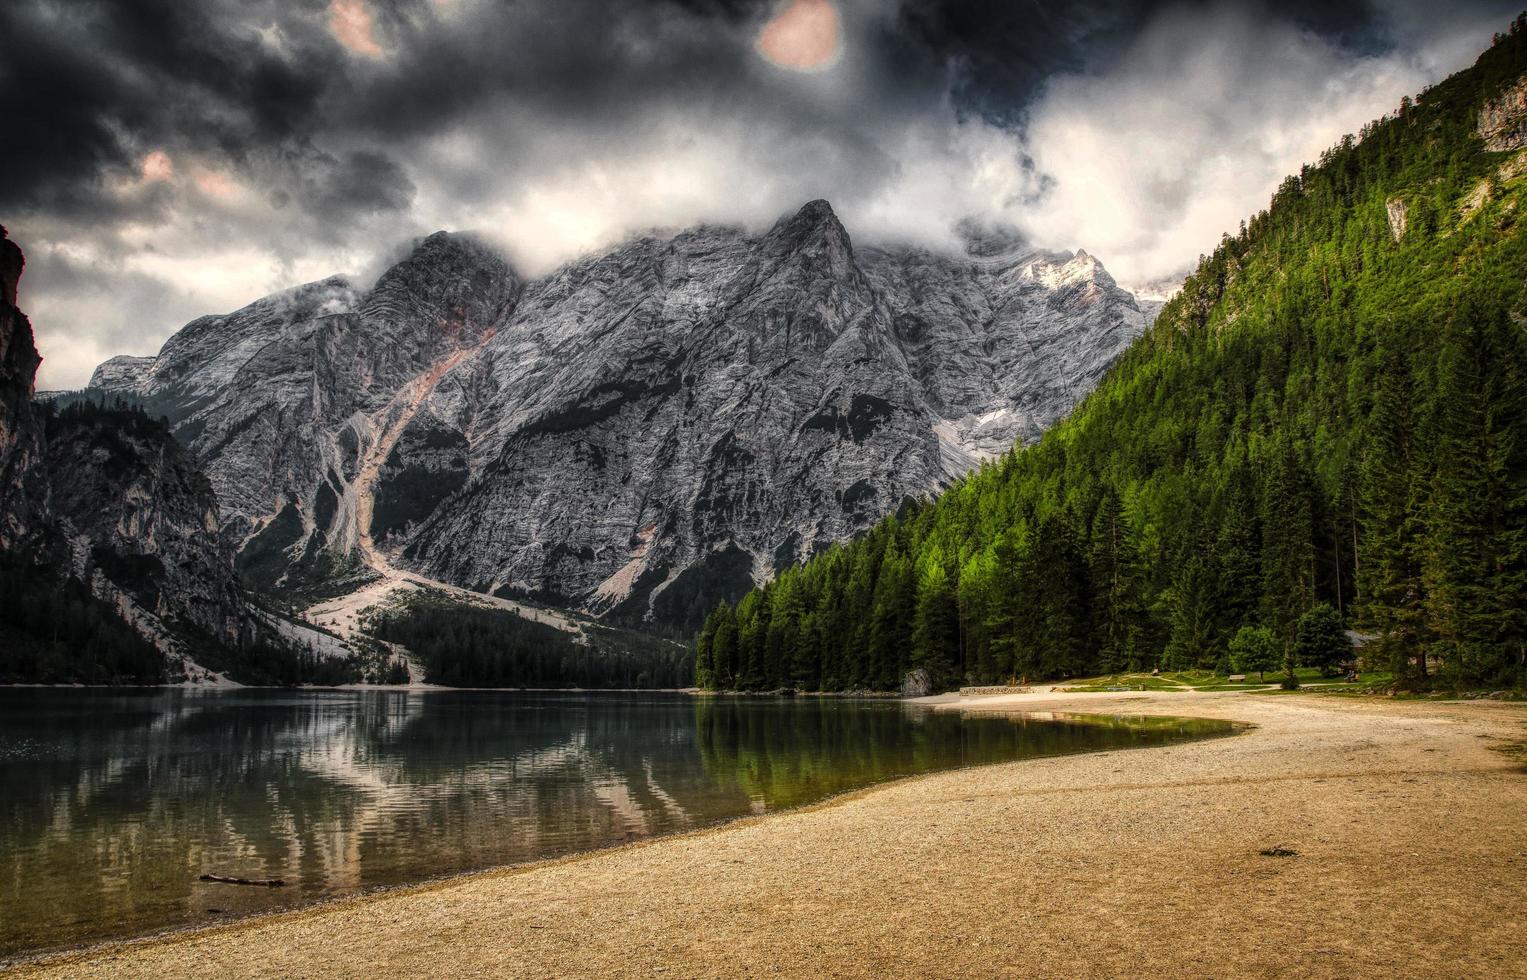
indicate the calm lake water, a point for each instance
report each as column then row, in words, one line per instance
column 113, row 803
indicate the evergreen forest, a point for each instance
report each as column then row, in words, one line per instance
column 1323, row 431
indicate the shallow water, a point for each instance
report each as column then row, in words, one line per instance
column 112, row 803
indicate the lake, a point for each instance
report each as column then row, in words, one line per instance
column 115, row 802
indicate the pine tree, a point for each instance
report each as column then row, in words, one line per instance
column 891, row 621
column 705, row 674
column 1194, row 639
column 1118, row 611
column 1238, row 553
column 1003, row 624
column 1474, row 562
column 975, row 603
column 935, row 630
column 1288, row 557
column 1392, row 601
column 724, row 649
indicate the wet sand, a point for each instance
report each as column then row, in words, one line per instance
column 1409, row 820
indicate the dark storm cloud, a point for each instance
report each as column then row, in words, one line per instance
column 1005, row 50
column 89, row 87
column 210, row 151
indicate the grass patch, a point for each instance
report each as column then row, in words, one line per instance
column 1310, row 679
column 1123, row 682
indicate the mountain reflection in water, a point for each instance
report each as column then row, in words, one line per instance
column 115, row 802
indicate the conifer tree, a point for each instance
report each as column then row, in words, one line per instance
column 724, row 648
column 935, row 631
column 1194, row 637
column 1288, row 559
column 1390, row 583
column 1117, row 608
column 1475, row 558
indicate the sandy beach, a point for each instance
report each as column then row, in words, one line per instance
column 1408, row 821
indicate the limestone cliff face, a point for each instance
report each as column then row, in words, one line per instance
column 143, row 518
column 676, row 416
column 23, row 487
column 1503, row 120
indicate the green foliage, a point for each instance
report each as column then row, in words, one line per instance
column 1321, row 640
column 1327, row 412
column 1253, row 648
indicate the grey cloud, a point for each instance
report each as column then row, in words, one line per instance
column 555, row 125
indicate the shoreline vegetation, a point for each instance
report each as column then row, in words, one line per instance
column 1335, row 836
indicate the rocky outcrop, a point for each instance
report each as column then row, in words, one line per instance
column 1399, row 217
column 677, row 417
column 145, row 518
column 23, row 486
column 125, row 374
column 1503, row 120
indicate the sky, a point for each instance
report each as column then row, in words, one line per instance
column 166, row 159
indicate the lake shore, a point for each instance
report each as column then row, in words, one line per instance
column 1409, row 819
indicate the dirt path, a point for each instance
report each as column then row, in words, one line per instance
column 1409, row 821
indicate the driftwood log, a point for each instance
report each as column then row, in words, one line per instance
column 262, row 882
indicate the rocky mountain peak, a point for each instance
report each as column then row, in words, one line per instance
column 463, row 254
column 815, row 225
column 808, row 260
column 813, row 213
column 455, row 284
column 124, row 373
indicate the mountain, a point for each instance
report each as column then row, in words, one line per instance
column 142, row 520
column 638, row 433
column 113, row 565
column 1327, row 424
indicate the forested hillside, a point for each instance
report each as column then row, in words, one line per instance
column 1330, row 412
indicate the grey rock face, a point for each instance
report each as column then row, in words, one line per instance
column 1503, row 120
column 124, row 373
column 126, row 490
column 23, row 485
column 1399, row 217
column 642, row 431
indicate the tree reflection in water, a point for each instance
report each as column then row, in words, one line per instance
column 117, row 801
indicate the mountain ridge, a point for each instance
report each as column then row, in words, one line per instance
column 712, row 400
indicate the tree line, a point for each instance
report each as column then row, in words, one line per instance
column 471, row 646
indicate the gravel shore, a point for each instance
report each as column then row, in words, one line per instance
column 1408, row 821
